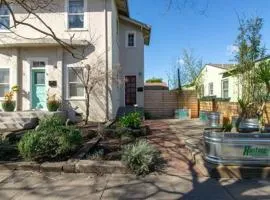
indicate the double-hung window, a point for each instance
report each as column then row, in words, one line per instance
column 131, row 39
column 4, row 81
column 75, row 86
column 4, row 17
column 211, row 89
column 225, row 88
column 76, row 9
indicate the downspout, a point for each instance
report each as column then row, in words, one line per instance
column 106, row 61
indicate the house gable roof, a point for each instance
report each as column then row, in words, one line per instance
column 222, row 66
column 146, row 29
column 123, row 8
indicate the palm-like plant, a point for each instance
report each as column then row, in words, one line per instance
column 262, row 75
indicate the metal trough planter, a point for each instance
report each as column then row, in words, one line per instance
column 237, row 148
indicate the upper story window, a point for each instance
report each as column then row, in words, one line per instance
column 76, row 17
column 131, row 39
column 225, row 88
column 211, row 89
column 4, row 81
column 4, row 17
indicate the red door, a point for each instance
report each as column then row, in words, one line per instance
column 130, row 90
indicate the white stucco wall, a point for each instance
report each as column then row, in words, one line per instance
column 120, row 60
column 215, row 75
column 132, row 60
column 58, row 60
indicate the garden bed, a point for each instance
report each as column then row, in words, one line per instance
column 56, row 147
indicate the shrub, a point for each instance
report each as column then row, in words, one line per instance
column 50, row 122
column 141, row 157
column 49, row 144
column 131, row 120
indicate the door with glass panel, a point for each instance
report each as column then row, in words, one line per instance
column 38, row 85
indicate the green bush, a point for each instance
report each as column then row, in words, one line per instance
column 50, row 122
column 50, row 143
column 131, row 120
column 141, row 157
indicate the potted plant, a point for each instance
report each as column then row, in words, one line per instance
column 248, row 120
column 9, row 105
column 52, row 103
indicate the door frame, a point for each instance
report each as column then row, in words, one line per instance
column 29, row 61
column 125, row 90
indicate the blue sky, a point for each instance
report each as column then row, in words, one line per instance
column 211, row 35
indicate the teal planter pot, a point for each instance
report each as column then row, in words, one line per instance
column 203, row 116
column 182, row 114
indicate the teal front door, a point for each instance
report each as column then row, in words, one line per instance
column 38, row 89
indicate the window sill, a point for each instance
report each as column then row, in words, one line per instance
column 76, row 99
column 76, row 30
column 5, row 31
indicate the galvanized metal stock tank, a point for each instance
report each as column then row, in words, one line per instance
column 213, row 119
column 237, row 148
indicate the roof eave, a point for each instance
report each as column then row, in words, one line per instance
column 146, row 29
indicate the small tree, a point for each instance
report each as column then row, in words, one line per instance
column 93, row 75
column 187, row 71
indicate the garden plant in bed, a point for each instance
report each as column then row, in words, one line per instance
column 124, row 140
column 51, row 141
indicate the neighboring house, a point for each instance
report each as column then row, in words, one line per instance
column 216, row 83
column 40, row 64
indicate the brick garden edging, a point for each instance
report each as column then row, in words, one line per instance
column 71, row 166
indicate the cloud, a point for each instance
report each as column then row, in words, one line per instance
column 232, row 49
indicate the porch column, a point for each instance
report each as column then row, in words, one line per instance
column 60, row 70
column 14, row 74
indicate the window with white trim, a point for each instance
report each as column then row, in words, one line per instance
column 131, row 39
column 4, row 81
column 75, row 86
column 76, row 17
column 225, row 88
column 4, row 17
column 211, row 89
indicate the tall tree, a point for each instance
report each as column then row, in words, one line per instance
column 249, row 43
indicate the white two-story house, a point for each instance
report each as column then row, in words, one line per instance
column 40, row 65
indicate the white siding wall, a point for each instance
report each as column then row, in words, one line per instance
column 214, row 75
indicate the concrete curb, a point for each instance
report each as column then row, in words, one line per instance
column 74, row 166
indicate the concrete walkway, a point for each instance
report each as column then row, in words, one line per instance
column 180, row 179
column 30, row 185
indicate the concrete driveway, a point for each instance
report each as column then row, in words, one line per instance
column 32, row 185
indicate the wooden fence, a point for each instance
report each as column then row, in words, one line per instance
column 230, row 109
column 161, row 103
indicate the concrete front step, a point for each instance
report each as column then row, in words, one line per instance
column 10, row 121
column 26, row 123
column 31, row 114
